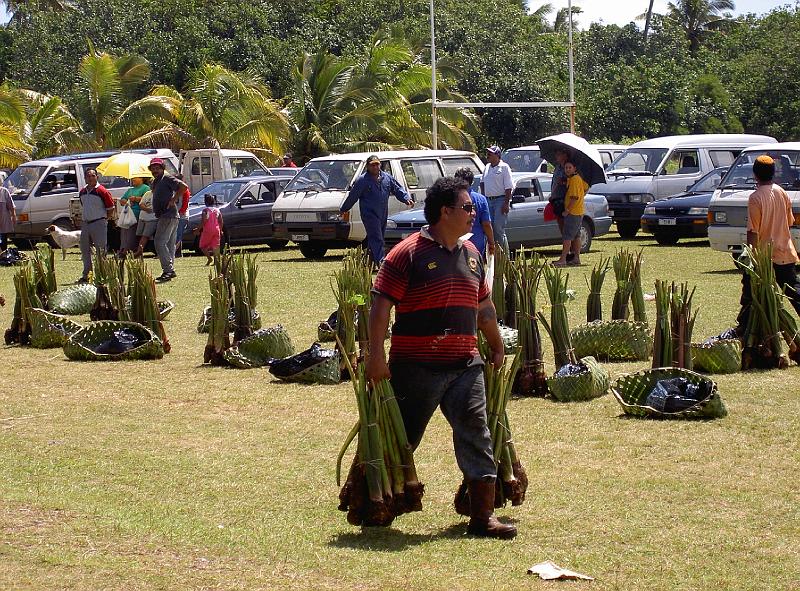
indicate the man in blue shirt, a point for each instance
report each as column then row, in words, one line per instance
column 372, row 190
column 482, row 233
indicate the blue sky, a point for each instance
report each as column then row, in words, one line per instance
column 621, row 12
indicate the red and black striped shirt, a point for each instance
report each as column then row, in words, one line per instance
column 436, row 293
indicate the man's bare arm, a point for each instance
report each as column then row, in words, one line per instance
column 487, row 323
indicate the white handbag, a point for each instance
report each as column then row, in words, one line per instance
column 126, row 217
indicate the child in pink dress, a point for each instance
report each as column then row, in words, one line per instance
column 210, row 229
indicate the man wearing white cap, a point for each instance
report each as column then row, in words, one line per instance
column 497, row 185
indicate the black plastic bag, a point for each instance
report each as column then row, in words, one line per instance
column 570, row 369
column 122, row 340
column 677, row 394
column 314, row 365
column 10, row 257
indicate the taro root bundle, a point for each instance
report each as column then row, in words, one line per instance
column 242, row 272
column 531, row 379
column 351, row 287
column 142, row 297
column 762, row 345
column 27, row 298
column 672, row 341
column 382, row 483
column 594, row 303
column 219, row 339
column 109, row 278
column 511, row 483
column 558, row 328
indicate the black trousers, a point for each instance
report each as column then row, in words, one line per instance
column 786, row 276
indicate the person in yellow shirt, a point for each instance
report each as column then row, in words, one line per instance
column 573, row 217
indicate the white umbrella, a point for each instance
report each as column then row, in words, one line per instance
column 581, row 153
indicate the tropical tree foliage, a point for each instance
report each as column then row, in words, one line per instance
column 698, row 18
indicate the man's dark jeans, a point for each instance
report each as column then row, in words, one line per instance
column 461, row 395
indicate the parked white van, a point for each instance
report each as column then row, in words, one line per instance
column 660, row 167
column 203, row 166
column 727, row 212
column 307, row 212
column 42, row 189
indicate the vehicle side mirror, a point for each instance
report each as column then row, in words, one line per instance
column 543, row 167
column 517, row 198
column 246, row 199
column 45, row 187
column 688, row 187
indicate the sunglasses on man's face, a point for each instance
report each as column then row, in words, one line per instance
column 468, row 207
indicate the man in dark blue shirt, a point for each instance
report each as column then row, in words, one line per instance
column 372, row 190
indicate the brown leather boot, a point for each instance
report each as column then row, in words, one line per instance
column 482, row 522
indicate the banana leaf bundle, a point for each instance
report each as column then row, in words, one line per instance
column 219, row 339
column 637, row 295
column 531, row 379
column 556, row 281
column 111, row 302
column 351, row 286
column 382, row 482
column 682, row 324
column 260, row 348
column 511, row 483
column 27, row 297
column 662, row 337
column 44, row 270
column 143, row 305
column 594, row 303
column 512, row 295
column 242, row 272
column 623, row 263
column 498, row 282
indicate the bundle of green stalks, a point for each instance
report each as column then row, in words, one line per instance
column 594, row 303
column 662, row 341
column 558, row 329
column 681, row 324
column 351, row 287
column 512, row 295
column 109, row 278
column 143, row 302
column 25, row 285
column 242, row 272
column 219, row 339
column 761, row 342
column 531, row 379
column 623, row 263
column 637, row 296
column 791, row 333
column 512, row 479
column 382, row 482
column 44, row 270
column 498, row 282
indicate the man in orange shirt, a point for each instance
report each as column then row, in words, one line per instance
column 769, row 216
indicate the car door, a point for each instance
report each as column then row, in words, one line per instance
column 526, row 225
column 682, row 168
column 419, row 175
column 251, row 213
column 51, row 198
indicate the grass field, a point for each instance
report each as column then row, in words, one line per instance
column 171, row 475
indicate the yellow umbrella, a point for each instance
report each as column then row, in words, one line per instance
column 126, row 165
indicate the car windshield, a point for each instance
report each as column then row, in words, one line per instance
column 740, row 174
column 324, row 175
column 523, row 160
column 707, row 183
column 223, row 191
column 638, row 160
column 22, row 180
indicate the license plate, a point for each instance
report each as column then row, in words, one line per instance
column 299, row 237
column 301, row 217
column 611, row 213
column 666, row 222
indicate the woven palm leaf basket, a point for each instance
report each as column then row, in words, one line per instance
column 73, row 299
column 584, row 386
column 631, row 391
column 50, row 330
column 316, row 365
column 723, row 356
column 260, row 348
column 90, row 343
column 510, row 338
column 164, row 308
column 613, row 340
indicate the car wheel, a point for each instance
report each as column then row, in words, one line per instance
column 277, row 244
column 667, row 239
column 312, row 250
column 586, row 235
column 627, row 229
column 64, row 224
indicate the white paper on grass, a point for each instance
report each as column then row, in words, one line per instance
column 550, row 571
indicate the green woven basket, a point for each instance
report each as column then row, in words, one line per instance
column 81, row 345
column 325, row 370
column 585, row 386
column 510, row 338
column 723, row 356
column 325, row 334
column 260, row 348
column 164, row 308
column 73, row 299
column 613, row 340
column 631, row 391
column 205, row 320
column 50, row 330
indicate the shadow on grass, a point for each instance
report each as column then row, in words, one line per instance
column 731, row 271
column 388, row 539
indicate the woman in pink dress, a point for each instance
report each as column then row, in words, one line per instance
column 210, row 229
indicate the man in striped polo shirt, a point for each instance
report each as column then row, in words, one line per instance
column 436, row 281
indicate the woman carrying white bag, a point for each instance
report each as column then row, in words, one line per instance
column 128, row 215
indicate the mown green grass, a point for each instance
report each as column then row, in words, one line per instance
column 171, row 475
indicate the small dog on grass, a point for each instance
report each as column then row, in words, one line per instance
column 64, row 238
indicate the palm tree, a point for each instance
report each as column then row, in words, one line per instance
column 648, row 17
column 561, row 22
column 698, row 17
column 49, row 127
column 220, row 109
column 13, row 149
